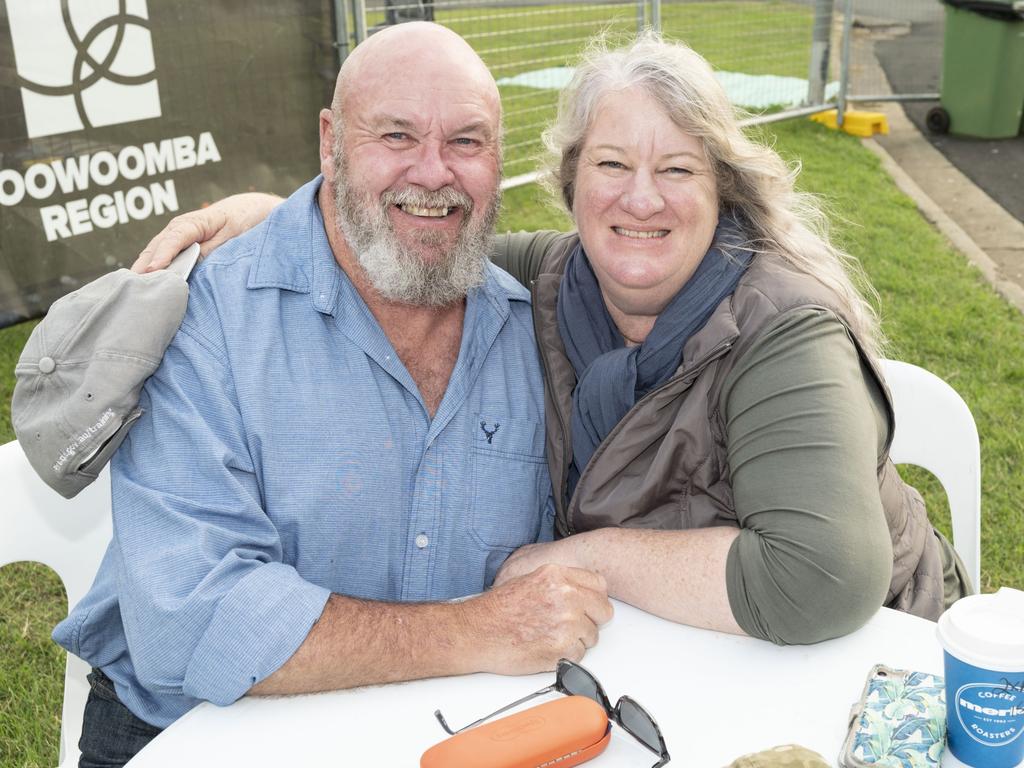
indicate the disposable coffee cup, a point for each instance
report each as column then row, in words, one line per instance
column 983, row 640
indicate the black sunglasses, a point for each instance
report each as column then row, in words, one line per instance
column 573, row 680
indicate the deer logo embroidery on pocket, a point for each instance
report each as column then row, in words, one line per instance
column 489, row 432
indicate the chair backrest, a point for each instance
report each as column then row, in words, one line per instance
column 935, row 430
column 70, row 536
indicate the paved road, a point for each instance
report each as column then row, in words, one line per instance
column 913, row 63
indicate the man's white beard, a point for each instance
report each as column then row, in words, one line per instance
column 398, row 272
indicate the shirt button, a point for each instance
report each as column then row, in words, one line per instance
column 422, row 541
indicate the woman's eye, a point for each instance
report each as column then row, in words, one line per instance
column 677, row 171
column 396, row 136
column 613, row 164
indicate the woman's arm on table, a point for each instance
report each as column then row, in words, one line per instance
column 678, row 575
column 812, row 557
column 209, row 226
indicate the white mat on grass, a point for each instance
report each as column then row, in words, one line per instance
column 750, row 91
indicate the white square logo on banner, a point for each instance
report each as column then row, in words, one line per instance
column 83, row 63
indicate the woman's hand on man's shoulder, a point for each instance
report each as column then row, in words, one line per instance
column 209, row 226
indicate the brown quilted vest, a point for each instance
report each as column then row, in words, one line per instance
column 664, row 465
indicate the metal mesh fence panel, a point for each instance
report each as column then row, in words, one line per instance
column 760, row 48
column 775, row 59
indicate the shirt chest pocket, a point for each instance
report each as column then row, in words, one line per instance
column 510, row 483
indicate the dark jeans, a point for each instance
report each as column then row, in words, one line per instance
column 111, row 734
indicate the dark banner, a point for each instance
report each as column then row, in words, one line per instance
column 117, row 114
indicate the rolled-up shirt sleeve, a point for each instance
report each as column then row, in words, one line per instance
column 804, row 424
column 208, row 605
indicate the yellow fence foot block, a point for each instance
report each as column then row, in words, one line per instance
column 865, row 124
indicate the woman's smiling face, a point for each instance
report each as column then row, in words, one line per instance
column 645, row 203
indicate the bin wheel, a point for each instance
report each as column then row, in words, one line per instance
column 937, row 120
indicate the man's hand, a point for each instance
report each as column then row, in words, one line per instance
column 530, row 622
column 208, row 226
column 532, row 556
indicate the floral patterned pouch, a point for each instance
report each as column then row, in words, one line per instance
column 899, row 722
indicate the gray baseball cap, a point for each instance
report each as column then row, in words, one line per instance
column 81, row 372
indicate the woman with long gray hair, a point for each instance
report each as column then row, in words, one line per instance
column 718, row 427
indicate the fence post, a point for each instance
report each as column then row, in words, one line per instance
column 340, row 31
column 641, row 19
column 821, row 44
column 359, row 17
column 656, row 15
column 844, row 73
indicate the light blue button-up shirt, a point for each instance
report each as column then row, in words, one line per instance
column 285, row 453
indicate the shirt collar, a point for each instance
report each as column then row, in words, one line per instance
column 294, row 253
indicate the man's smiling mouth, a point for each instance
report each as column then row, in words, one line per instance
column 433, row 213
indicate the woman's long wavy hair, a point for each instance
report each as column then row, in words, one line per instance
column 754, row 184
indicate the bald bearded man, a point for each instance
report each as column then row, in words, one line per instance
column 346, row 433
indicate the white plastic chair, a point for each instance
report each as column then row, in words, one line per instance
column 69, row 536
column 935, row 430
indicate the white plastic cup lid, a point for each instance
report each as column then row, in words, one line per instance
column 986, row 631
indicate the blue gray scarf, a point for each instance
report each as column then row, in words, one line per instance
column 611, row 377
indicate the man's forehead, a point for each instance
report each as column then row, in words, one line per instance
column 421, row 110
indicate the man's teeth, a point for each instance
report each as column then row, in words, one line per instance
column 640, row 235
column 431, row 212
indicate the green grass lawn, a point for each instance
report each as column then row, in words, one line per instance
column 937, row 312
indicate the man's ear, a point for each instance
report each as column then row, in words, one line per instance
column 327, row 144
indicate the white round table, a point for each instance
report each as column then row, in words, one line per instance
column 715, row 696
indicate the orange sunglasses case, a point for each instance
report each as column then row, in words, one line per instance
column 564, row 732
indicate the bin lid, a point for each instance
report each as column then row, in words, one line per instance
column 1001, row 10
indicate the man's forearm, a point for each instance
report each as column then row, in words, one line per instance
column 523, row 626
column 362, row 642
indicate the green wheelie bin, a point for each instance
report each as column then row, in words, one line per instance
column 982, row 92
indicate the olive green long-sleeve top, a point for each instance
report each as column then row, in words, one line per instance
column 806, row 425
